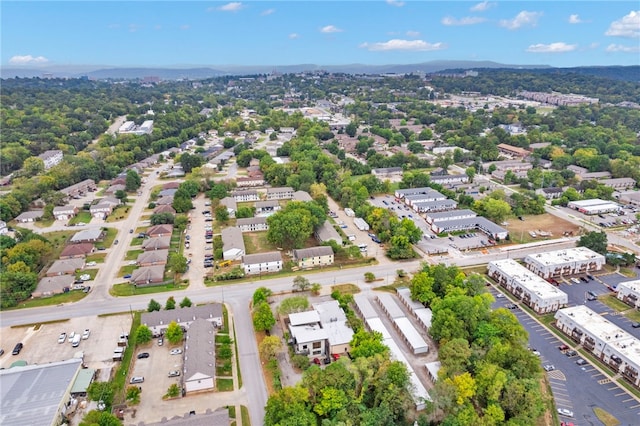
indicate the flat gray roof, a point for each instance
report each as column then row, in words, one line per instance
column 32, row 395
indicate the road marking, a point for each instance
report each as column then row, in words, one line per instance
column 557, row 374
column 605, row 381
column 635, row 406
column 621, row 393
column 627, row 400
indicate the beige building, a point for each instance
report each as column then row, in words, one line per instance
column 313, row 256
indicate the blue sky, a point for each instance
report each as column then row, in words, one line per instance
column 177, row 33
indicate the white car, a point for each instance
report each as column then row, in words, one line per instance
column 176, row 351
column 499, row 296
column 174, row 373
column 62, row 338
column 85, row 277
column 86, row 334
column 549, row 367
column 71, row 336
column 92, row 263
column 565, row 412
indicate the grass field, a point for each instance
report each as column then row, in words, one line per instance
column 519, row 230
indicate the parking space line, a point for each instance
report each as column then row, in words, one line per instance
column 627, row 400
column 621, row 393
column 635, row 406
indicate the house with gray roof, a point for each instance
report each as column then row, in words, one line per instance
column 231, row 205
column 199, row 357
column 302, row 196
column 449, row 215
column 267, row 207
column 164, row 208
column 90, row 235
column 153, row 257
column 104, row 207
column 147, row 275
column 169, row 192
column 245, row 195
column 262, row 262
column 313, row 256
column 434, row 206
column 164, row 201
column 80, row 188
column 156, row 243
column 220, row 417
column 326, row 232
column 48, row 286
column 65, row 212
column 280, row 193
column 65, row 267
column 232, row 243
column 479, row 222
column 158, row 321
column 37, row 394
column 30, row 216
column 252, row 224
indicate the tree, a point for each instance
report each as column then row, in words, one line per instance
column 422, row 288
column 221, row 213
column 315, row 288
column 300, row 283
column 177, row 263
column 173, row 391
column 100, row 418
column 263, row 318
column 185, row 303
column 351, row 129
column 143, row 334
column 293, row 304
column 101, row 391
column 494, row 210
column 471, row 173
column 162, row 218
column 269, row 347
column 288, row 407
column 153, row 306
column 289, row 229
column 174, row 333
column 369, row 277
column 33, row 166
column 367, row 344
column 171, row 304
column 133, row 395
column 121, row 195
column 596, row 241
column 132, row 181
column 261, row 295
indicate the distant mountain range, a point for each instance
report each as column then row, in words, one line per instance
column 197, row 73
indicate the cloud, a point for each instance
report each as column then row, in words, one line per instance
column 628, row 26
column 575, row 19
column 185, row 27
column 522, row 19
column 27, row 60
column 294, row 36
column 267, row 12
column 396, row 3
column 559, row 47
column 413, row 34
column 113, row 26
column 467, row 20
column 405, row 45
column 231, row 7
column 621, row 48
column 330, row 29
column 481, row 7
column 134, row 27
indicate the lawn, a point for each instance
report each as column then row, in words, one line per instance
column 81, row 217
column 119, row 213
column 92, row 273
column 58, row 240
column 126, row 270
column 44, row 223
column 256, row 242
column 605, row 417
column 345, row 288
column 133, row 254
column 614, row 303
column 96, row 257
column 70, row 297
column 224, row 385
column 126, row 289
column 519, row 229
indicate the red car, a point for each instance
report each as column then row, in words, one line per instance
column 563, row 347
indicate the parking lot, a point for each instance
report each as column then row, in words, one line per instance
column 576, row 388
column 41, row 342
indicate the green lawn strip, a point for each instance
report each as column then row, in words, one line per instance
column 119, row 213
column 119, row 380
column 235, row 345
column 232, row 411
column 224, row 385
column 126, row 289
column 133, row 254
column 605, row 417
column 70, row 297
column 96, row 257
column 91, row 272
column 614, row 303
column 126, row 270
column 246, row 420
column 81, row 217
column 628, row 386
column 633, row 315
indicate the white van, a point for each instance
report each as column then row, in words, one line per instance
column 362, row 247
column 351, row 237
column 76, row 340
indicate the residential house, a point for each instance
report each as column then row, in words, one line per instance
column 65, row 267
column 267, row 207
column 147, row 275
column 153, row 257
column 281, row 193
column 550, row 193
column 104, row 207
column 156, row 243
column 158, row 321
column 619, row 184
column 232, row 243
column 231, row 205
column 250, row 181
column 245, row 195
column 513, row 151
column 313, row 256
column 387, row 172
column 171, row 185
column 162, row 230
column 262, row 262
column 199, row 357
column 80, row 188
column 165, row 208
column 48, row 286
column 113, row 188
column 51, row 158
column 29, row 216
column 164, row 201
column 326, row 232
column 73, row 251
column 252, row 224
column 90, row 235
column 169, row 192
column 302, row 196
column 449, row 179
column 64, row 212
column 334, row 321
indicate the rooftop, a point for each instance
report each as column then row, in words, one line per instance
column 532, row 282
column 558, row 257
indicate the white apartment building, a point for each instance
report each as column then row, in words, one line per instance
column 577, row 260
column 534, row 291
column 629, row 293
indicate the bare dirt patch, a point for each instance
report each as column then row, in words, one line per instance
column 547, row 223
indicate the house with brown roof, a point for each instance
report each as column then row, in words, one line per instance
column 165, row 201
column 64, row 212
column 156, row 243
column 73, row 251
column 513, row 151
column 65, row 267
column 148, row 275
column 160, row 230
column 165, row 208
column 153, row 257
column 112, row 189
column 171, row 185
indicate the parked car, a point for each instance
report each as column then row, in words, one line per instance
column 581, row 361
column 127, row 276
column 176, row 351
column 499, row 296
column 549, row 367
column 136, row 379
column 565, row 412
column 160, row 341
column 17, row 348
column 563, row 347
column 571, row 353
column 86, row 334
column 62, row 338
column 71, row 336
column 115, row 242
column 635, row 325
column 174, row 373
column 142, row 355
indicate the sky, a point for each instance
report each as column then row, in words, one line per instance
column 202, row 33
